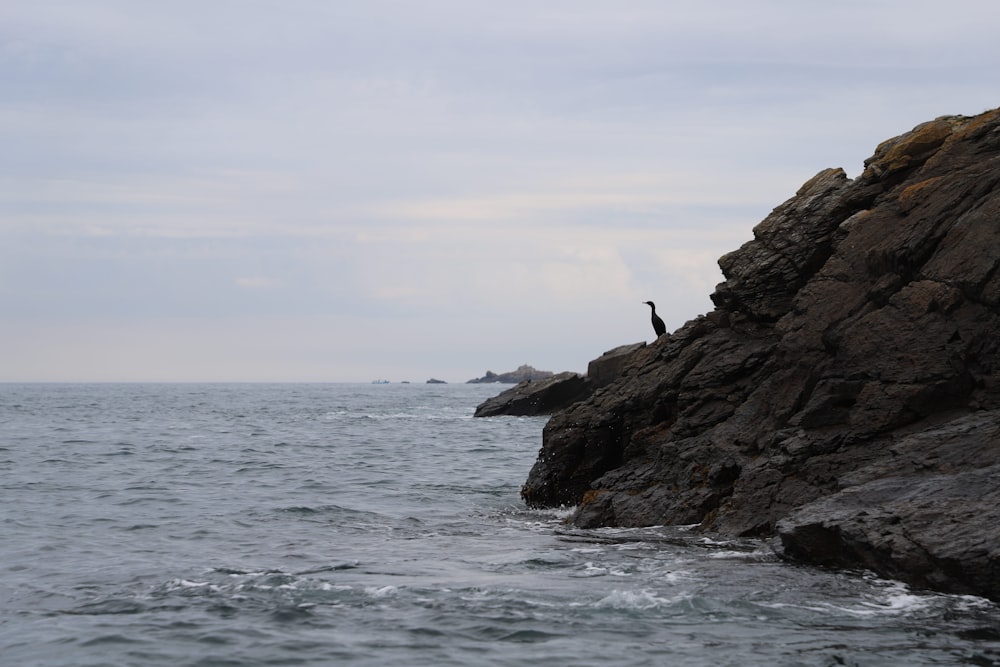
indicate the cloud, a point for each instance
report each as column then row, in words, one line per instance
column 572, row 197
column 286, row 190
column 257, row 282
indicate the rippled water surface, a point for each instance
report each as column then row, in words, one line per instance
column 381, row 525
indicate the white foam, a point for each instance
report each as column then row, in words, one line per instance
column 973, row 603
column 677, row 576
column 186, row 585
column 899, row 599
column 327, row 586
column 562, row 513
column 637, row 600
column 591, row 570
column 896, row 600
column 381, row 591
column 732, row 554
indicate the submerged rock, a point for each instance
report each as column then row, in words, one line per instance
column 845, row 392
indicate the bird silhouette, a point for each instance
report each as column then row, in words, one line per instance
column 658, row 326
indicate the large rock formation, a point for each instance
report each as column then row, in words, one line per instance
column 845, row 392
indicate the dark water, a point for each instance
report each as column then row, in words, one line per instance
column 381, row 525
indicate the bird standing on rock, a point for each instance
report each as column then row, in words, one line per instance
column 658, row 326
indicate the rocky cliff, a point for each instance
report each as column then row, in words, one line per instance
column 844, row 395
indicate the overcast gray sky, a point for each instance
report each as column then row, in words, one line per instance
column 334, row 190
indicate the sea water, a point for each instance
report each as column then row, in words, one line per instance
column 329, row 524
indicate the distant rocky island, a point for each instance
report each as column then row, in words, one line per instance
column 843, row 397
column 523, row 372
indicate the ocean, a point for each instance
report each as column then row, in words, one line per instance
column 352, row 524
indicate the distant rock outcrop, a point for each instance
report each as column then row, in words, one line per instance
column 523, row 372
column 436, row 381
column 843, row 397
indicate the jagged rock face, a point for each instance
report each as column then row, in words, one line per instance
column 863, row 311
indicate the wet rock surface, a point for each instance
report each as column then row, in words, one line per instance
column 844, row 389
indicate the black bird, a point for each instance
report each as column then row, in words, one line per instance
column 658, row 326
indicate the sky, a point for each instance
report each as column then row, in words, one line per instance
column 343, row 191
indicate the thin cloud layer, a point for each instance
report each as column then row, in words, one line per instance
column 320, row 191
